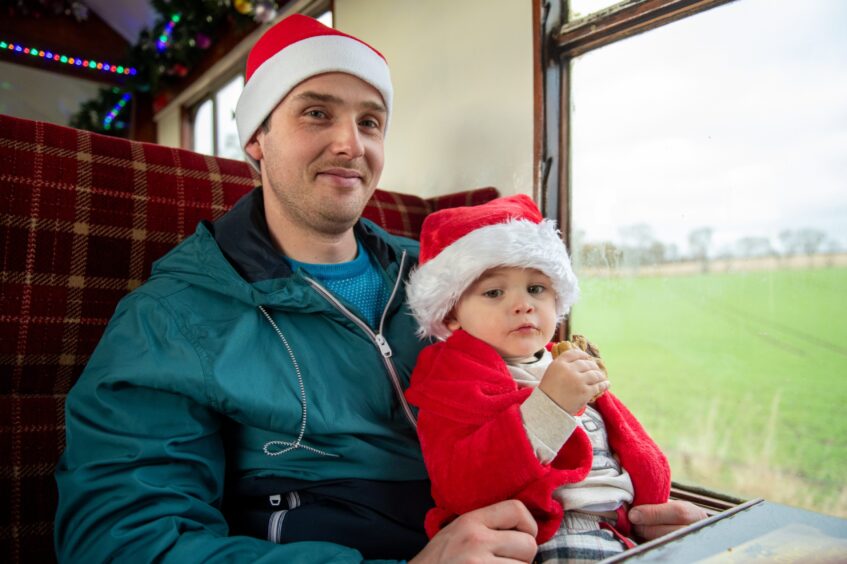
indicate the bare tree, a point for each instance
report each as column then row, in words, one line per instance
column 751, row 247
column 788, row 242
column 656, row 253
column 805, row 241
column 699, row 242
column 810, row 241
column 637, row 240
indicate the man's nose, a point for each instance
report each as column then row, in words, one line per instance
column 347, row 139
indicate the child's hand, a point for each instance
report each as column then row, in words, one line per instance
column 573, row 379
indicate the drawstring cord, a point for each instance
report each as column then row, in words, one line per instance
column 286, row 445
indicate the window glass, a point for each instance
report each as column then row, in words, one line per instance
column 581, row 8
column 326, row 18
column 709, row 167
column 203, row 128
column 225, row 100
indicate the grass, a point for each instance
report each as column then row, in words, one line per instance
column 741, row 378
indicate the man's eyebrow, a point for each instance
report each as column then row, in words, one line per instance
column 331, row 99
column 374, row 106
column 318, row 97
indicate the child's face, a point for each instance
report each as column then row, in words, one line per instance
column 511, row 309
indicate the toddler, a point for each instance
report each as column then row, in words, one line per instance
column 499, row 418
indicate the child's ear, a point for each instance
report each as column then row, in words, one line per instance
column 452, row 323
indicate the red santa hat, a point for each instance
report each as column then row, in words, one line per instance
column 459, row 244
column 295, row 49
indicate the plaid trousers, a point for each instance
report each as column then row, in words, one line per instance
column 580, row 539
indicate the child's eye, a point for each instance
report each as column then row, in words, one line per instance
column 536, row 289
column 493, row 293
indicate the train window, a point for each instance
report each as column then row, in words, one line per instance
column 581, row 8
column 204, row 125
column 708, row 166
column 326, row 18
column 214, row 128
column 227, row 134
column 212, row 124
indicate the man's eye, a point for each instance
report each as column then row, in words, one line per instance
column 492, row 293
column 318, row 114
column 370, row 123
column 536, row 289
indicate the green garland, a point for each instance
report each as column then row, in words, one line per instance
column 199, row 22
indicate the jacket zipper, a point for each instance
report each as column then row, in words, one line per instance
column 377, row 338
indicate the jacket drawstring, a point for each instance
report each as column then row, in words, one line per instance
column 298, row 443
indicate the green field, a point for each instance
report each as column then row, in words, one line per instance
column 741, row 378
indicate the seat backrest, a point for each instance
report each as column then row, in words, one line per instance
column 82, row 219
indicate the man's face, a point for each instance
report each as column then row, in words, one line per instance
column 322, row 156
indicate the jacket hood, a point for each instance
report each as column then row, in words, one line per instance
column 235, row 256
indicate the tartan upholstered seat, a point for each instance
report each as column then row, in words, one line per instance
column 82, row 218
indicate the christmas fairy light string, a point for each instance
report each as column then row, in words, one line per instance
column 62, row 58
column 109, row 120
column 165, row 37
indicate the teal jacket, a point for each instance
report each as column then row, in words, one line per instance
column 202, row 377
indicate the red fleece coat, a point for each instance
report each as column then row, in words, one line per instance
column 477, row 451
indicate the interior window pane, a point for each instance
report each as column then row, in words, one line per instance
column 326, row 18
column 203, row 140
column 709, row 209
column 226, row 99
column 581, row 8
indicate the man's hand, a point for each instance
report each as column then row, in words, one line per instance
column 653, row 521
column 504, row 531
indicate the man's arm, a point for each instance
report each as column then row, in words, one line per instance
column 653, row 521
column 505, row 530
column 142, row 477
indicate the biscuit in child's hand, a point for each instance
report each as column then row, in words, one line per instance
column 560, row 347
column 581, row 343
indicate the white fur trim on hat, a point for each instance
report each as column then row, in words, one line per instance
column 435, row 287
column 282, row 72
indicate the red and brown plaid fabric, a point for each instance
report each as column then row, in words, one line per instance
column 457, row 199
column 82, row 218
column 403, row 214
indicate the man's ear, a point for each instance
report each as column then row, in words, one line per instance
column 254, row 148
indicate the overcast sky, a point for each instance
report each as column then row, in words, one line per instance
column 734, row 119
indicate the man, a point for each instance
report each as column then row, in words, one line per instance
column 251, row 390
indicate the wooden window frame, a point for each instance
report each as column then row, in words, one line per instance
column 191, row 114
column 556, row 42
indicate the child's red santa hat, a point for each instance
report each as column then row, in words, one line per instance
column 459, row 244
column 295, row 49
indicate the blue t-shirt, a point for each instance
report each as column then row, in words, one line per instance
column 358, row 282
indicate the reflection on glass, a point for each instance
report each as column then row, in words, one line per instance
column 203, row 136
column 225, row 101
column 710, row 236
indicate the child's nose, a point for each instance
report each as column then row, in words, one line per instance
column 523, row 305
